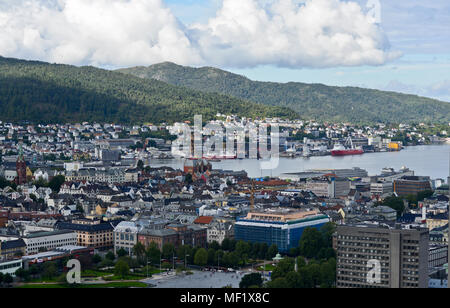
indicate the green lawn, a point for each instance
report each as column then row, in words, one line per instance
column 269, row 267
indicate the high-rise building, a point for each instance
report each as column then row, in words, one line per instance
column 379, row 256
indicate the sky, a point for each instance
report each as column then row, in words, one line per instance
column 396, row 45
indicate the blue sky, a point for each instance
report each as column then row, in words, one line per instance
column 419, row 29
column 398, row 45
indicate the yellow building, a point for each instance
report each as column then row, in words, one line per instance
column 395, row 146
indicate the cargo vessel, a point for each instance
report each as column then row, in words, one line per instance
column 346, row 149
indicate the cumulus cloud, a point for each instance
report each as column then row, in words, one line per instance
column 243, row 33
column 100, row 32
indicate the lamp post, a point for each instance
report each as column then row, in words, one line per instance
column 148, row 262
column 185, row 259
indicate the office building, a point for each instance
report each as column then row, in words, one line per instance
column 411, row 185
column 380, row 256
column 282, row 228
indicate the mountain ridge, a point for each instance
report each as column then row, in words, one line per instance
column 315, row 100
column 42, row 92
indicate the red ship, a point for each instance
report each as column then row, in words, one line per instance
column 347, row 149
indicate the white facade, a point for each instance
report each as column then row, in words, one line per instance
column 49, row 240
column 10, row 267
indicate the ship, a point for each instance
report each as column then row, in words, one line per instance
column 348, row 148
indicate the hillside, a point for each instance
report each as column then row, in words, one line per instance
column 315, row 101
column 50, row 93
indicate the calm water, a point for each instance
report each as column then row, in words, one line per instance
column 430, row 161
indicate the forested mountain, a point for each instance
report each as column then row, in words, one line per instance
column 316, row 101
column 50, row 93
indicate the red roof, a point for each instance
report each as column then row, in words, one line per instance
column 204, row 220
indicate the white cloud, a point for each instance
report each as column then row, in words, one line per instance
column 100, row 32
column 244, row 33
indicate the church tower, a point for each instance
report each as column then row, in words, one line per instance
column 21, row 168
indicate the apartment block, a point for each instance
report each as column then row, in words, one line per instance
column 381, row 256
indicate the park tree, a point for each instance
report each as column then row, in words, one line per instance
column 96, row 259
column 201, row 257
column 251, row 280
column 311, row 242
column 279, row 283
column 283, row 268
column 272, row 252
column 153, row 253
column 168, row 251
column 139, row 251
column 110, row 256
column 121, row 269
column 122, row 253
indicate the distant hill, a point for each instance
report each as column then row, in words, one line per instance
column 50, row 93
column 315, row 101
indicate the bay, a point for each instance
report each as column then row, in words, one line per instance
column 429, row 160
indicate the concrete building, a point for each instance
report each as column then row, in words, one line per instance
column 411, row 185
column 343, row 173
column 218, row 231
column 43, row 241
column 91, row 233
column 10, row 267
column 329, row 187
column 282, row 228
column 126, row 236
column 381, row 188
column 379, row 256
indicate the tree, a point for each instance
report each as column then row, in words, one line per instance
column 272, row 252
column 188, row 179
column 214, row 245
column 212, row 256
column 283, row 268
column 139, row 251
column 395, row 203
column 328, row 273
column 140, row 165
column 201, row 257
column 22, row 274
column 110, row 256
column 8, row 279
column 121, row 269
column 50, row 270
column 311, row 242
column 294, row 280
column 122, row 253
column 96, row 259
column 279, row 283
column 153, row 253
column 249, row 280
column 56, row 182
column 327, row 231
column 168, row 251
